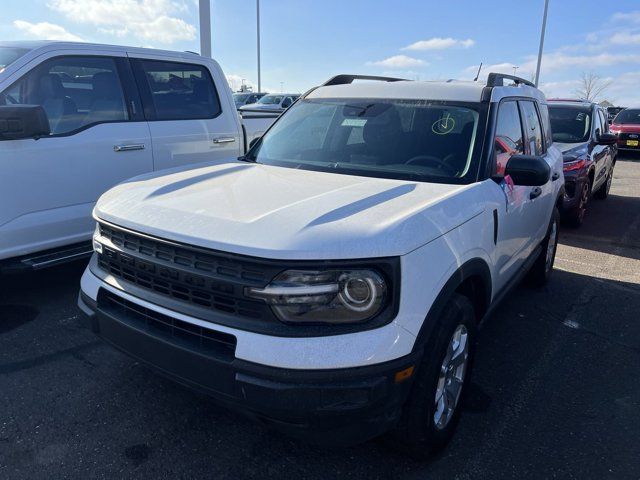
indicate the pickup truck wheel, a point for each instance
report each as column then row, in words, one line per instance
column 543, row 266
column 432, row 410
column 603, row 192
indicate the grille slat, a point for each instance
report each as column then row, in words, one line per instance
column 197, row 278
column 176, row 331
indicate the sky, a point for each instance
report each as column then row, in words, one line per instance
column 304, row 42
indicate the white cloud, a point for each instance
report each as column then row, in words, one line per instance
column 46, row 31
column 149, row 20
column 633, row 17
column 399, row 61
column 438, row 43
column 235, row 82
column 625, row 38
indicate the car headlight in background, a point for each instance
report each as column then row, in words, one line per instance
column 330, row 296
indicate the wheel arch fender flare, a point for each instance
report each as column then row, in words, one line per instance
column 475, row 267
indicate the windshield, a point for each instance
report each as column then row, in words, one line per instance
column 570, row 124
column 271, row 99
column 240, row 98
column 630, row 115
column 430, row 141
column 9, row 55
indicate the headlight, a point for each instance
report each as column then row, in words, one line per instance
column 331, row 296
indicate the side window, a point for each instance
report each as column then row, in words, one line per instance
column 75, row 92
column 179, row 91
column 286, row 103
column 546, row 125
column 533, row 128
column 602, row 124
column 508, row 140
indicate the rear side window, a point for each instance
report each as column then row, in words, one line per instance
column 546, row 125
column 534, row 129
column 75, row 92
column 508, row 140
column 178, row 91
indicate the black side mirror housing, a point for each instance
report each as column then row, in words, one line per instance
column 23, row 121
column 528, row 170
column 607, row 139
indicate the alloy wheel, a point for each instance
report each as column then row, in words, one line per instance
column 451, row 378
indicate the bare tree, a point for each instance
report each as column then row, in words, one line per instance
column 592, row 86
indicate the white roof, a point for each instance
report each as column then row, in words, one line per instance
column 451, row 90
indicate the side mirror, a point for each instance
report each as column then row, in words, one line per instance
column 528, row 170
column 607, row 139
column 23, row 121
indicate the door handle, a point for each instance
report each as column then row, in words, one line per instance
column 218, row 141
column 535, row 192
column 555, row 176
column 128, row 148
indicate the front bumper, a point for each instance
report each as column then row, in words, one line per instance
column 573, row 186
column 334, row 406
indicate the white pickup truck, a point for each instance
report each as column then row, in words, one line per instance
column 76, row 119
column 332, row 281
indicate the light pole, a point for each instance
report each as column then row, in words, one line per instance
column 544, row 26
column 258, row 35
column 515, row 69
column 205, row 28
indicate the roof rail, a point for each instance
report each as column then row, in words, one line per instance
column 346, row 78
column 497, row 80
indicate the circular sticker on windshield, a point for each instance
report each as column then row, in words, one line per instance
column 444, row 125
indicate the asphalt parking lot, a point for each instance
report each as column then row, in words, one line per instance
column 555, row 393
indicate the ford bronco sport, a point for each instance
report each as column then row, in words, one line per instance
column 332, row 280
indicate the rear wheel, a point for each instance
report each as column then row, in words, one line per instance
column 603, row 191
column 432, row 410
column 543, row 266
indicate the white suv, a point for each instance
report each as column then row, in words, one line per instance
column 332, row 280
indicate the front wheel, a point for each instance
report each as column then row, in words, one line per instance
column 543, row 266
column 603, row 191
column 432, row 410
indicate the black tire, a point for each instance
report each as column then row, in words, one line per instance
column 417, row 432
column 603, row 192
column 575, row 216
column 542, row 269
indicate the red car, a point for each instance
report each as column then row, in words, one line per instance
column 626, row 125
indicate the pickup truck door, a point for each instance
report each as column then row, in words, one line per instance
column 48, row 187
column 191, row 115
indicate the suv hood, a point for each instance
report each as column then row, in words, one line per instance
column 276, row 212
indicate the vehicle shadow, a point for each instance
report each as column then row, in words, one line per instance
column 611, row 226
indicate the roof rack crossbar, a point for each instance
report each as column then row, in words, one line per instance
column 497, row 80
column 346, row 79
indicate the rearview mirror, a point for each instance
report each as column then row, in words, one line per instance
column 528, row 170
column 607, row 139
column 23, row 121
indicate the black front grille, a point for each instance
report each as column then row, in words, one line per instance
column 199, row 278
column 194, row 337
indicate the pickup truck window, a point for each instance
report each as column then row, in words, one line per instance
column 404, row 139
column 180, row 91
column 75, row 92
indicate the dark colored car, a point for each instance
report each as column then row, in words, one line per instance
column 581, row 132
column 626, row 126
column 612, row 112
